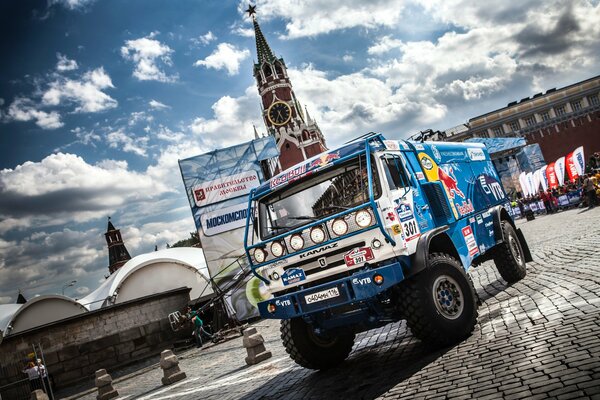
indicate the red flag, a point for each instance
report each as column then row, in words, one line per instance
column 571, row 168
column 552, row 180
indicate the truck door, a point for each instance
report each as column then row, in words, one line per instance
column 404, row 196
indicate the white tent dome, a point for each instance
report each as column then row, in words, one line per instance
column 38, row 311
column 152, row 273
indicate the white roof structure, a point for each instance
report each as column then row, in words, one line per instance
column 38, row 311
column 141, row 276
column 152, row 273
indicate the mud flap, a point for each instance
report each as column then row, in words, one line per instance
column 524, row 246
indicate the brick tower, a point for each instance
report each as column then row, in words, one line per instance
column 117, row 252
column 298, row 137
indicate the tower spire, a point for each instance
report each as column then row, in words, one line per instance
column 263, row 51
column 117, row 252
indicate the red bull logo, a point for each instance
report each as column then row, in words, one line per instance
column 449, row 181
column 324, row 159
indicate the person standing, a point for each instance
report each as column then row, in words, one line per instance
column 33, row 374
column 44, row 375
column 589, row 190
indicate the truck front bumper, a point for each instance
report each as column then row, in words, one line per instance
column 361, row 286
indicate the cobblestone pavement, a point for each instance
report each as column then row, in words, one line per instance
column 538, row 338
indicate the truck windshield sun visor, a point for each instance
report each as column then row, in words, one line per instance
column 316, row 197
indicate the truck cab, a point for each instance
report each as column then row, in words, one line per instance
column 377, row 231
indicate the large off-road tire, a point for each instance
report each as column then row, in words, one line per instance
column 440, row 304
column 312, row 351
column 509, row 256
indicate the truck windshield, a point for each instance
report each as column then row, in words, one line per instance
column 324, row 194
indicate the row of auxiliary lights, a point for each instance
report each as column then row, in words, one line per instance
column 317, row 235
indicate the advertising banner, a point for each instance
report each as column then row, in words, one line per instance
column 217, row 185
column 571, row 168
column 559, row 170
column 579, row 160
column 530, row 184
column 536, row 181
column 544, row 177
column 523, row 183
column 552, row 180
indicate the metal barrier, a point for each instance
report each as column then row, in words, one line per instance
column 17, row 384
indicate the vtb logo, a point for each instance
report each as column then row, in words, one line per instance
column 199, row 194
column 450, row 182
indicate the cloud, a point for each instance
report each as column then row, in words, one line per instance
column 87, row 93
column 204, row 39
column 226, row 56
column 232, row 121
column 64, row 188
column 64, row 64
column 73, row 4
column 316, row 17
column 120, row 140
column 384, row 45
column 147, row 53
column 82, row 290
column 157, row 105
column 23, row 109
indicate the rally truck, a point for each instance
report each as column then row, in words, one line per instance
column 374, row 232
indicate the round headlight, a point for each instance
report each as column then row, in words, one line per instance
column 260, row 255
column 276, row 249
column 340, row 227
column 317, row 234
column 363, row 218
column 296, row 242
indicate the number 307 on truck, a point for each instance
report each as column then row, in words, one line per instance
column 374, row 232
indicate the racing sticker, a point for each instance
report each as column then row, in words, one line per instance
column 470, row 241
column 397, row 229
column 408, row 221
column 358, row 256
column 392, row 145
column 293, row 275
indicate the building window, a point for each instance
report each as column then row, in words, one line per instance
column 545, row 115
column 514, row 125
column 576, row 105
column 593, row 99
column 560, row 110
column 498, row 130
column 530, row 120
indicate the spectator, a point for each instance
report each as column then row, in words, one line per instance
column 590, row 190
column 44, row 374
column 33, row 374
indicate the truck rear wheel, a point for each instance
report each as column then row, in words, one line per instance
column 509, row 257
column 440, row 304
column 311, row 351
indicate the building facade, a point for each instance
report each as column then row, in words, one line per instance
column 559, row 120
column 297, row 135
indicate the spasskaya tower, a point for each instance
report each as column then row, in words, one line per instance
column 298, row 136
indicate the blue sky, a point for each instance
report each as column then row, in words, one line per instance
column 99, row 99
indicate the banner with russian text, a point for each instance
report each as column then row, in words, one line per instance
column 217, row 185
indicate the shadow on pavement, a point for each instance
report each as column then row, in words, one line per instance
column 369, row 372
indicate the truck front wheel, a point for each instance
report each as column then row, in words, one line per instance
column 509, row 257
column 311, row 351
column 440, row 303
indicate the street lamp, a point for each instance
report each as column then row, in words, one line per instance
column 66, row 285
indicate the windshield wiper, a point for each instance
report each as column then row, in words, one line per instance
column 331, row 208
column 275, row 227
column 304, row 217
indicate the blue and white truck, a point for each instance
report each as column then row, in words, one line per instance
column 374, row 232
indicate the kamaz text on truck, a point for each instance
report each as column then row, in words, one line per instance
column 374, row 232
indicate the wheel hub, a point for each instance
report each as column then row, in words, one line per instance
column 514, row 249
column 447, row 297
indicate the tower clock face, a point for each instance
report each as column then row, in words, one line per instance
column 279, row 113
